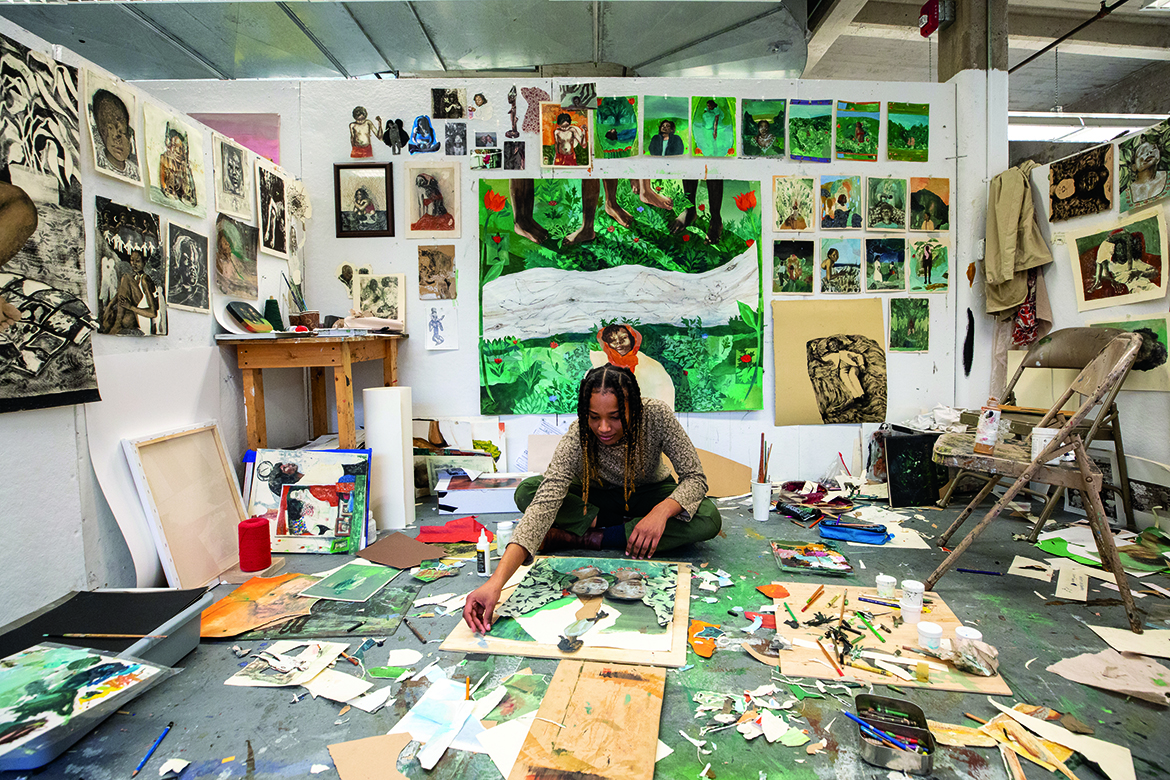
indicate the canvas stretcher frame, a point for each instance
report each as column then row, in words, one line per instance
column 463, row 640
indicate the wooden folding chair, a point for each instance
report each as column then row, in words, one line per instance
column 1065, row 348
column 1095, row 382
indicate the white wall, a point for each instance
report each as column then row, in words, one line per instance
column 446, row 383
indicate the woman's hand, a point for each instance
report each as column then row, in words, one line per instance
column 643, row 542
column 481, row 606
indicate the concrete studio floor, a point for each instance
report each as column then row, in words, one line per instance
column 255, row 733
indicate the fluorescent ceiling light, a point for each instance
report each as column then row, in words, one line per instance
column 1075, row 128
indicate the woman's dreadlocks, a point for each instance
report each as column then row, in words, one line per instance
column 620, row 383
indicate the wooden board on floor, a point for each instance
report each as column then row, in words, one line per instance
column 596, row 720
column 463, row 640
column 809, row 662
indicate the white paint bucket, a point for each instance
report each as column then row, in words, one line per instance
column 885, row 586
column 1041, row 438
column 929, row 635
column 912, row 591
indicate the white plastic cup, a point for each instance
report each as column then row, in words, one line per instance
column 1041, row 438
column 911, row 613
column 929, row 635
column 885, row 586
column 967, row 634
column 761, row 500
column 912, row 591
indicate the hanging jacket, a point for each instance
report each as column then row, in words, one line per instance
column 1014, row 240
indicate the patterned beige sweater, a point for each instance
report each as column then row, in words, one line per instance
column 662, row 434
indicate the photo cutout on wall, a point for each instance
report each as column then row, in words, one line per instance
column 187, row 285
column 656, row 267
column 235, row 258
column 534, row 96
column 810, row 130
column 582, row 96
column 1143, row 167
column 858, row 125
column 1082, row 184
column 615, row 128
column 112, row 114
column 841, row 203
column 794, row 264
column 908, row 132
column 363, row 197
column 174, row 161
column 432, row 200
column 930, row 204
column 794, row 200
column 762, row 127
column 1151, row 369
column 564, row 137
column 436, row 272
column 885, row 203
column 666, row 126
column 479, row 107
column 929, row 264
column 885, row 265
column 131, row 271
column 394, row 135
column 448, row 103
column 829, row 360
column 456, row 139
column 713, row 126
column 485, row 138
column 1120, row 265
column 841, row 265
column 486, row 159
column 442, row 325
column 232, row 178
column 380, row 295
column 362, row 132
column 514, row 159
column 272, row 206
column 909, row 324
column 422, row 137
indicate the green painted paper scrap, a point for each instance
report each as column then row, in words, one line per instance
column 353, row 582
column 908, row 132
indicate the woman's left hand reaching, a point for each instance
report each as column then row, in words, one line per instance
column 643, row 542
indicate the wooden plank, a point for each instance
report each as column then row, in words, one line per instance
column 463, row 640
column 291, row 355
column 343, row 397
column 370, row 349
column 319, row 404
column 808, row 662
column 1010, row 460
column 596, row 721
column 390, row 365
column 257, row 428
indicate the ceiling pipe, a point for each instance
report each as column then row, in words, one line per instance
column 304, row 28
column 1105, row 11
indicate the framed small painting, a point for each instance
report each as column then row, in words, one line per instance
column 363, row 196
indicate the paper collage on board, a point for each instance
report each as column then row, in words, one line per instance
column 1143, row 166
column 858, row 126
column 432, row 200
column 564, row 137
column 1081, row 185
column 235, row 258
column 763, row 126
column 272, row 208
column 1122, row 264
column 615, row 127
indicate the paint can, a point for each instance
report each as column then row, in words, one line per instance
column 912, row 591
column 929, row 635
column 885, row 586
column 911, row 613
column 503, row 535
column 1041, row 438
column 968, row 634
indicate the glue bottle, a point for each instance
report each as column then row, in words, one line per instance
column 483, row 555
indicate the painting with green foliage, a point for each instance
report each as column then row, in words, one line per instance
column 885, row 264
column 908, row 131
column 841, row 199
column 665, row 126
column 858, row 125
column 677, row 260
column 762, row 128
column 793, row 266
column 909, row 324
column 928, row 269
column 810, row 129
column 713, row 126
column 795, row 203
column 615, row 128
column 885, row 204
column 841, row 265
column 1143, row 167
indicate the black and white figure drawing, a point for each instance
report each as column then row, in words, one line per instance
column 448, row 103
column 113, row 120
column 382, row 296
column 442, row 325
column 394, row 134
column 436, row 272
column 1106, row 460
column 272, row 208
column 579, row 96
column 173, row 150
column 456, row 139
column 187, row 286
column 232, row 168
column 848, row 374
column 513, row 155
column 131, row 271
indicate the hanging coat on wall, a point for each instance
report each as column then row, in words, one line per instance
column 1014, row 240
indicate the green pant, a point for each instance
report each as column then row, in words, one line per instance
column 608, row 506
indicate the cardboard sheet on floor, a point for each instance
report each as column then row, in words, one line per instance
column 1155, row 643
column 461, row 529
column 597, row 720
column 401, row 552
column 372, row 758
column 1033, row 569
column 462, row 639
column 808, row 661
column 1125, row 674
column 1114, row 760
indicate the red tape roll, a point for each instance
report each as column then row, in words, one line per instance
column 255, row 544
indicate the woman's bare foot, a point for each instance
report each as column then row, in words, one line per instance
column 620, row 215
column 649, row 196
column 530, row 229
column 582, row 236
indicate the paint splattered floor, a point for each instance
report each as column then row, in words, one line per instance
column 260, row 733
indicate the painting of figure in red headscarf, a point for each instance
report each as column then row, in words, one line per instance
column 621, row 346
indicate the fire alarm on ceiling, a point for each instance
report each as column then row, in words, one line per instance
column 936, row 15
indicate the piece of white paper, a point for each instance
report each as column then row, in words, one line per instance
column 438, row 598
column 1030, row 568
column 548, row 625
column 486, row 703
column 1114, row 760
column 1155, row 643
column 404, row 656
column 1072, row 584
column 337, row 686
column 374, row 700
column 437, row 745
column 315, row 655
column 503, row 743
column 173, row 765
column 664, row 750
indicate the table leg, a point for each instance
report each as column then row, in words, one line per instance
column 254, row 408
column 390, row 364
column 320, row 408
column 343, row 391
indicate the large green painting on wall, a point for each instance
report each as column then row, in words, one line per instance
column 661, row 275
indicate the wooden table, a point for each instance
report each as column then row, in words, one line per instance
column 316, row 354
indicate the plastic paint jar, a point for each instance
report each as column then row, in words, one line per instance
column 503, row 534
column 968, row 634
column 911, row 613
column 912, row 591
column 885, row 586
column 929, row 635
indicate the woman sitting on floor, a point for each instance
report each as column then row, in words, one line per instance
column 607, row 487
